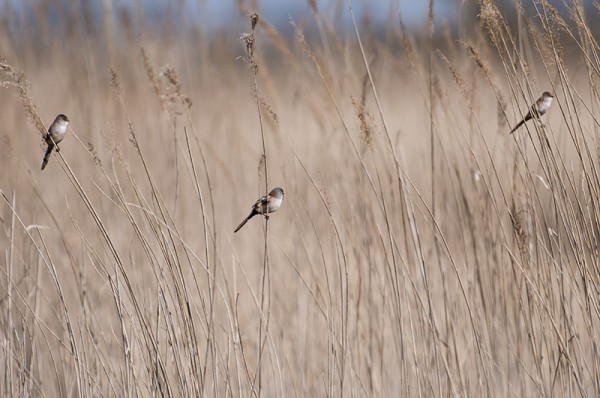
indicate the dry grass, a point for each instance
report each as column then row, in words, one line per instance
column 420, row 249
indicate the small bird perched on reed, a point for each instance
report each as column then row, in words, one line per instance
column 538, row 109
column 266, row 204
column 56, row 133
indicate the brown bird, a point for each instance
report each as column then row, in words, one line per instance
column 266, row 204
column 56, row 133
column 538, row 109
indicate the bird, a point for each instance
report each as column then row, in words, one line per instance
column 266, row 204
column 538, row 109
column 56, row 133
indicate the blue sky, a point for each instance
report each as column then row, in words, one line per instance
column 217, row 13
column 225, row 13
column 278, row 12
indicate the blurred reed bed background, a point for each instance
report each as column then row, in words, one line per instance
column 420, row 249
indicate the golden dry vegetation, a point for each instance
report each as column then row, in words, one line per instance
column 420, row 249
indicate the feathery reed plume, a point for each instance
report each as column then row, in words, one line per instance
column 23, row 87
column 248, row 39
column 366, row 121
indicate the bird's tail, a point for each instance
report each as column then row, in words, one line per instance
column 517, row 126
column 252, row 214
column 47, row 156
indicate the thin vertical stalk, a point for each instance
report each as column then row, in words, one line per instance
column 250, row 41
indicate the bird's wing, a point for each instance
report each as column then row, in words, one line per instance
column 261, row 204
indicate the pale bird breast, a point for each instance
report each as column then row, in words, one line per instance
column 63, row 128
column 274, row 204
column 60, row 130
column 543, row 105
